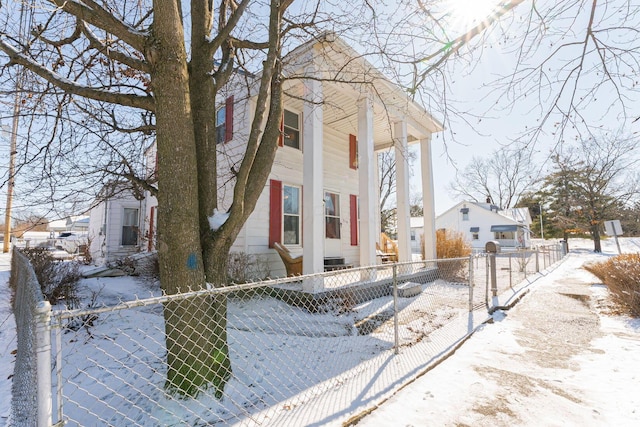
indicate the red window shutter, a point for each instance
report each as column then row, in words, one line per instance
column 353, row 213
column 275, row 212
column 281, row 137
column 228, row 119
column 353, row 152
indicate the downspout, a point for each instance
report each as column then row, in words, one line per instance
column 142, row 214
column 104, row 230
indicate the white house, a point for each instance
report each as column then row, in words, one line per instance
column 482, row 222
column 74, row 224
column 117, row 227
column 417, row 233
column 321, row 199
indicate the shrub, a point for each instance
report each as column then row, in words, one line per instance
column 621, row 275
column 58, row 280
column 451, row 244
column 126, row 264
column 245, row 268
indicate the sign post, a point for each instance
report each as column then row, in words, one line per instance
column 614, row 228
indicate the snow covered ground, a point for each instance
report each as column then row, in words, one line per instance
column 549, row 358
column 557, row 358
column 7, row 339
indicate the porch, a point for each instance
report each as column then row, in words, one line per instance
column 328, row 166
column 343, row 288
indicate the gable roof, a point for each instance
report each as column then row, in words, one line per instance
column 520, row 215
column 512, row 215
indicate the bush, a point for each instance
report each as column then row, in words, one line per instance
column 451, row 244
column 621, row 275
column 245, row 268
column 58, row 280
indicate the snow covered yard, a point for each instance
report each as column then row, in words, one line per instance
column 291, row 367
column 113, row 372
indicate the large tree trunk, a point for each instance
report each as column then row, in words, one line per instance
column 195, row 355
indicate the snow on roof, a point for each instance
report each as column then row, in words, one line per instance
column 520, row 215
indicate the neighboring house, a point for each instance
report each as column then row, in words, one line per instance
column 417, row 233
column 321, row 199
column 482, row 222
column 72, row 224
column 116, row 227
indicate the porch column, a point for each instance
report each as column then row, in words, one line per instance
column 376, row 167
column 367, row 183
column 428, row 203
column 402, row 190
column 313, row 185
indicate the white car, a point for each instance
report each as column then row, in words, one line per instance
column 70, row 242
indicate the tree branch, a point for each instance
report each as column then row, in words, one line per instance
column 93, row 13
column 128, row 100
column 109, row 52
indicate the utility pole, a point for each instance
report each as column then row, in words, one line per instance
column 25, row 20
column 12, row 171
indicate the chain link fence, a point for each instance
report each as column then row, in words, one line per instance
column 295, row 357
column 31, row 386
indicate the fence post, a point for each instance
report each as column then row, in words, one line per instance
column 395, row 310
column 471, row 283
column 538, row 260
column 43, row 363
column 510, row 273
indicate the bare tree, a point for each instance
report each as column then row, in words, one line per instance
column 500, row 178
column 126, row 65
column 387, row 188
column 569, row 64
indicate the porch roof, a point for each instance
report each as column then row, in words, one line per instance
column 506, row 227
column 347, row 77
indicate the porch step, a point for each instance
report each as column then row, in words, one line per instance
column 333, row 260
column 409, row 289
column 337, row 267
column 335, row 263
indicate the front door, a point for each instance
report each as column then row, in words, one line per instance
column 332, row 223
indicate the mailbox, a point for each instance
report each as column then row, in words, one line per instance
column 492, row 247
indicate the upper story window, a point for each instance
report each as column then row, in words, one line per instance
column 465, row 214
column 224, row 122
column 221, row 128
column 291, row 129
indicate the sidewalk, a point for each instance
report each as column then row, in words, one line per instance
column 551, row 360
